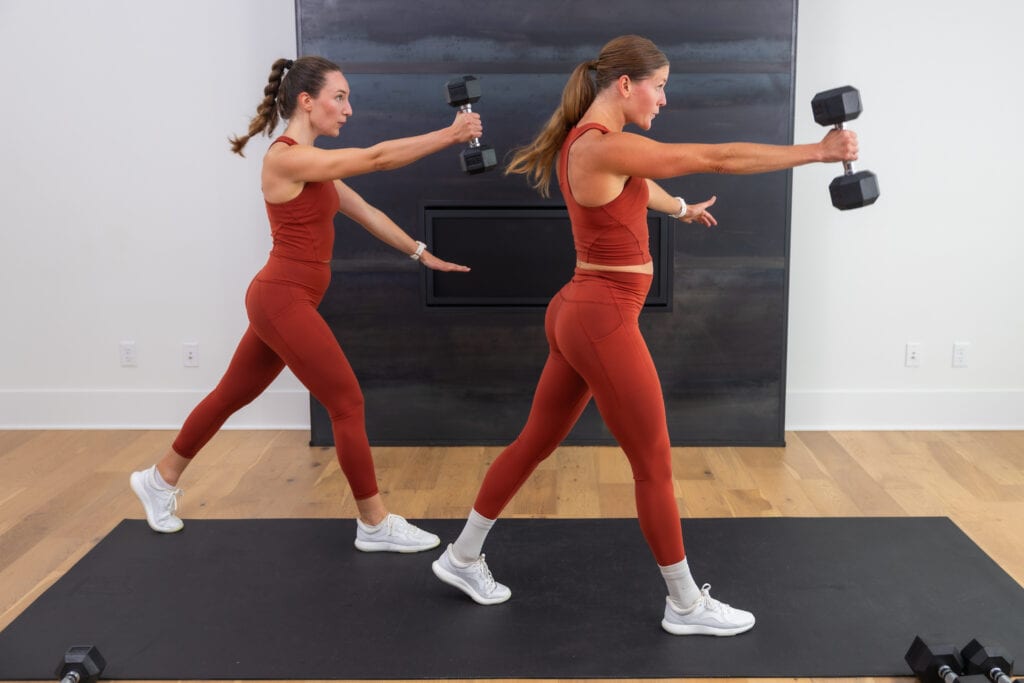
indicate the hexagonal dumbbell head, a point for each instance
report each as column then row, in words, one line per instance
column 854, row 190
column 938, row 664
column 81, row 664
column 462, row 91
column 478, row 159
column 836, row 105
column 990, row 661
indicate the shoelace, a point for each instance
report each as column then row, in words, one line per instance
column 709, row 602
column 174, row 495
column 402, row 525
column 398, row 523
column 485, row 572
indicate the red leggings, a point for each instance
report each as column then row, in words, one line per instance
column 596, row 349
column 286, row 329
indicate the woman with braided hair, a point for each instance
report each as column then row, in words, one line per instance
column 596, row 349
column 303, row 190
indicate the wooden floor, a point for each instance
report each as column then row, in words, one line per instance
column 62, row 491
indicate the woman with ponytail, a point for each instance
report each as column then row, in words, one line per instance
column 303, row 191
column 596, row 349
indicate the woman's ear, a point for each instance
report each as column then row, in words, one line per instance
column 625, row 85
column 305, row 101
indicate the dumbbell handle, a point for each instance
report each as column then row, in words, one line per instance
column 468, row 109
column 847, row 165
column 71, row 677
column 945, row 672
column 996, row 675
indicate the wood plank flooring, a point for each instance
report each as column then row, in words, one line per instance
column 62, row 491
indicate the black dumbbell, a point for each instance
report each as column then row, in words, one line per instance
column 941, row 664
column 833, row 108
column 81, row 664
column 462, row 93
column 993, row 662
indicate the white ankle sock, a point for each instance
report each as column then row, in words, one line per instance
column 682, row 589
column 470, row 543
column 371, row 527
column 159, row 480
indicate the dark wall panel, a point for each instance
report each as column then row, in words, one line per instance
column 456, row 374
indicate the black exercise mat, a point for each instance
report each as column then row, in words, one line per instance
column 292, row 599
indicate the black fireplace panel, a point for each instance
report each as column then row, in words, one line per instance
column 519, row 255
column 452, row 359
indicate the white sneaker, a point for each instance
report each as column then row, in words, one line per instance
column 707, row 617
column 160, row 502
column 394, row 534
column 473, row 579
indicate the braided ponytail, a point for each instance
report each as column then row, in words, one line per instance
column 306, row 74
column 266, row 117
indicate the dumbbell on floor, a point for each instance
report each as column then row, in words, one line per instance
column 939, row 664
column 833, row 108
column 462, row 93
column 993, row 662
column 81, row 664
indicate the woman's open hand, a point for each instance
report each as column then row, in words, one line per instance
column 698, row 213
column 434, row 263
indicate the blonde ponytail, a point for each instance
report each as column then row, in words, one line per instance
column 634, row 56
column 536, row 160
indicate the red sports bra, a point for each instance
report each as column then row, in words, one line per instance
column 614, row 234
column 303, row 227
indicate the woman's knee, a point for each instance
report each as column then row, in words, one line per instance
column 346, row 405
column 654, row 466
column 539, row 446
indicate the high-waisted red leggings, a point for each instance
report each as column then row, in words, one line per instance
column 286, row 329
column 596, row 349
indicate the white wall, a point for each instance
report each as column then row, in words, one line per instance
column 125, row 217
column 124, row 214
column 936, row 260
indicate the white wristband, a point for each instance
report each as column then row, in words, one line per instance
column 415, row 256
column 682, row 209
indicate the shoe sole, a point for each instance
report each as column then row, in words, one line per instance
column 681, row 630
column 137, row 490
column 385, row 547
column 453, row 580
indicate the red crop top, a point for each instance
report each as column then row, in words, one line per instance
column 303, row 227
column 614, row 234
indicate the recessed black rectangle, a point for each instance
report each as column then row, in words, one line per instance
column 519, row 255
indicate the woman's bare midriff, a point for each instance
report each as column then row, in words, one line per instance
column 645, row 268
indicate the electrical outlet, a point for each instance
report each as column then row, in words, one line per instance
column 128, row 353
column 912, row 356
column 961, row 351
column 190, row 354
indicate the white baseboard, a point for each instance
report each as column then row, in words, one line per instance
column 99, row 409
column 910, row 410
